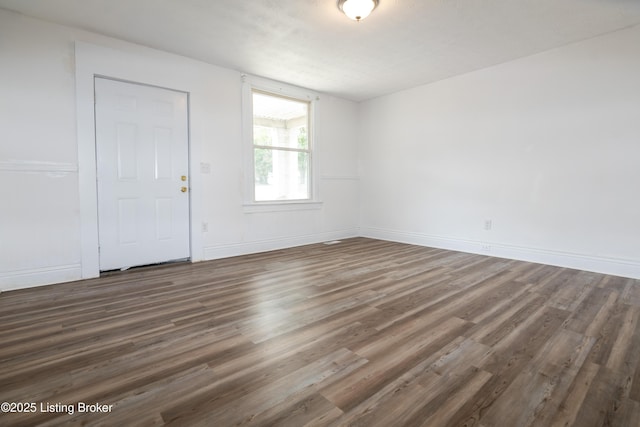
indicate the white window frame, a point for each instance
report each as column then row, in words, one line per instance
column 249, row 85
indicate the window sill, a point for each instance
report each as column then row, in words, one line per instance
column 260, row 207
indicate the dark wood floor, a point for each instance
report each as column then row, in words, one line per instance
column 364, row 332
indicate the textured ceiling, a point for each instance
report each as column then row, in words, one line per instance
column 402, row 44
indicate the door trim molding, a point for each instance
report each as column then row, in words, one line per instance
column 155, row 70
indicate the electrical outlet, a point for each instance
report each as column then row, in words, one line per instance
column 205, row 227
column 488, row 224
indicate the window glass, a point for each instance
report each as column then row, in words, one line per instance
column 282, row 149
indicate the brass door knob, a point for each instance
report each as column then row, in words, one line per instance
column 183, row 189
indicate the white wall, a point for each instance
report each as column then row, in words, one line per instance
column 43, row 214
column 546, row 147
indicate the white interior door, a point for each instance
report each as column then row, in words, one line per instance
column 142, row 153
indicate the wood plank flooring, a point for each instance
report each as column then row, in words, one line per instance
column 360, row 333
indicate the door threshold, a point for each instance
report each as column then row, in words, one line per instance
column 145, row 267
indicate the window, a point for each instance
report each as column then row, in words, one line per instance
column 282, row 148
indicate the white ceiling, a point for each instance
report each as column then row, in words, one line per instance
column 402, row 44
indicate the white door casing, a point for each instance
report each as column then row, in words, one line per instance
column 142, row 155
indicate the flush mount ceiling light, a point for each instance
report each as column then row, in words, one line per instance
column 357, row 9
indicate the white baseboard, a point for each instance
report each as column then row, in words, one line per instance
column 613, row 266
column 19, row 279
column 236, row 249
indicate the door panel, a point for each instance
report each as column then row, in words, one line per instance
column 127, row 221
column 162, row 153
column 142, row 152
column 127, row 151
column 164, row 219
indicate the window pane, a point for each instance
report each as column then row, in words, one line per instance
column 263, row 165
column 280, row 122
column 263, row 135
column 302, row 137
column 281, row 175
